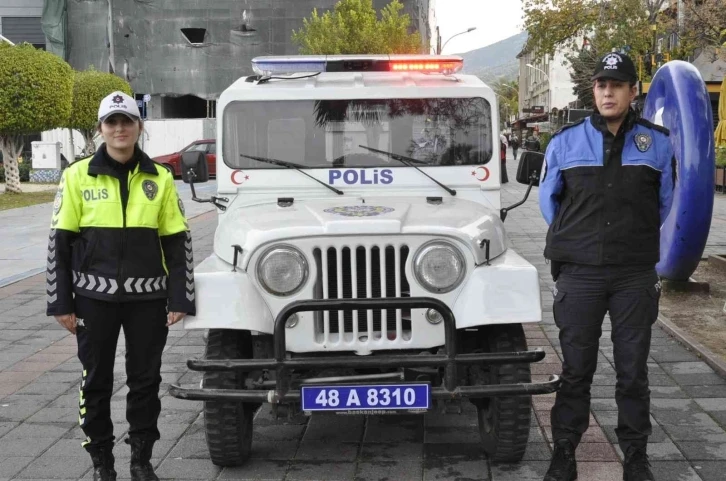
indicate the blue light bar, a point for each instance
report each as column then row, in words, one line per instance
column 288, row 65
column 429, row 64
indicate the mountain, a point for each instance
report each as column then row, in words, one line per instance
column 496, row 60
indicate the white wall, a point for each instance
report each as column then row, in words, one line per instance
column 561, row 85
column 160, row 137
column 64, row 137
column 168, row 136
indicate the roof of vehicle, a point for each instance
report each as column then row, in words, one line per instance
column 298, row 74
column 362, row 79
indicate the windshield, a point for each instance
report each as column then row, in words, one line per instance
column 330, row 133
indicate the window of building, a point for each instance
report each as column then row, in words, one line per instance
column 24, row 29
column 184, row 107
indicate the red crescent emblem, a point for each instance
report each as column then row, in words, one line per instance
column 239, row 179
column 478, row 175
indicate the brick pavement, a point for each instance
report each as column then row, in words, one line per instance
column 39, row 376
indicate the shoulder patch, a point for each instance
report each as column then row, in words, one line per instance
column 651, row 125
column 563, row 128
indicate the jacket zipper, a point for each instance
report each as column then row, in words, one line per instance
column 124, row 205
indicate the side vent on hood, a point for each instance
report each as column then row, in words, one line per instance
column 285, row 201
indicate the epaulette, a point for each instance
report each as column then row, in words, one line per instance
column 569, row 126
column 653, row 126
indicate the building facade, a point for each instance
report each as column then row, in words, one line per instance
column 184, row 53
column 20, row 21
column 545, row 84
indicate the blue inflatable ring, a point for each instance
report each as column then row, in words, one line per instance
column 678, row 100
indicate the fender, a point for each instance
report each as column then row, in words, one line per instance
column 227, row 299
column 678, row 100
column 505, row 292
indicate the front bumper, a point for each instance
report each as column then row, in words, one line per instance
column 283, row 393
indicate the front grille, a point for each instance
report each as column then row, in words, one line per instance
column 362, row 273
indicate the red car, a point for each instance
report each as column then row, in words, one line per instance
column 173, row 161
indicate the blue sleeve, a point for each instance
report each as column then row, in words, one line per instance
column 667, row 181
column 550, row 185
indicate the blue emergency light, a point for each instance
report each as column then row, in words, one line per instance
column 432, row 64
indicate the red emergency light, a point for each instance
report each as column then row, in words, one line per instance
column 431, row 64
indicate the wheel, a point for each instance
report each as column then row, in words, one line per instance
column 228, row 425
column 503, row 421
column 170, row 169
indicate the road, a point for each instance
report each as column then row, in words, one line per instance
column 40, row 374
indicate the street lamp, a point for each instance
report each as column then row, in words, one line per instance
column 460, row 33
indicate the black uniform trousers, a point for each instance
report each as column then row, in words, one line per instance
column 145, row 331
column 583, row 295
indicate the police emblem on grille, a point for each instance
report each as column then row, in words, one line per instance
column 150, row 189
column 359, row 210
column 181, row 205
column 643, row 141
column 58, row 202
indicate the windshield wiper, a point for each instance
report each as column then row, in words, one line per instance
column 408, row 161
column 291, row 165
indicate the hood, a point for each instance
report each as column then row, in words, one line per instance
column 254, row 226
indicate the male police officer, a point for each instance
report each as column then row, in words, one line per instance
column 606, row 189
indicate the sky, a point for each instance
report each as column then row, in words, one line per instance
column 454, row 16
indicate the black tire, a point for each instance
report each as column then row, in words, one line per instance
column 228, row 425
column 504, row 422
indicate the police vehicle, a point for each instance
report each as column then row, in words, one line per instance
column 360, row 261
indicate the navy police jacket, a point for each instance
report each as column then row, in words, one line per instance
column 604, row 196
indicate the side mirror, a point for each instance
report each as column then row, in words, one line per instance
column 530, row 167
column 194, row 167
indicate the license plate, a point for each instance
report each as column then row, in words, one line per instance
column 388, row 397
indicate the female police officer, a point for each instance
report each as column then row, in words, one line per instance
column 606, row 189
column 119, row 241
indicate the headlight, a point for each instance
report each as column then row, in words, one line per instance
column 282, row 270
column 439, row 267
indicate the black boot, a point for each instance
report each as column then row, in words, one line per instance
column 563, row 466
column 637, row 466
column 103, row 461
column 141, row 469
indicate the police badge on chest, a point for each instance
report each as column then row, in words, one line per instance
column 643, row 142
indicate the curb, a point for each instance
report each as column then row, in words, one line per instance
column 708, row 356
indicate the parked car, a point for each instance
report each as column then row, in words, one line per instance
column 173, row 161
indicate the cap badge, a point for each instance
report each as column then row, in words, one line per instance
column 611, row 61
column 643, row 142
column 117, row 99
column 150, row 189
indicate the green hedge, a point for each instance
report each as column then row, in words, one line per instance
column 721, row 157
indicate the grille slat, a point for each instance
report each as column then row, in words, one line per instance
column 362, row 273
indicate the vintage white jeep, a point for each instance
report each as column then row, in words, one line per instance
column 360, row 263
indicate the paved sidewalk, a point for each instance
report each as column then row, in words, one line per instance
column 24, row 242
column 39, row 376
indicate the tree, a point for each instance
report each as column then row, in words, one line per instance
column 36, row 88
column 703, row 25
column 352, row 27
column 553, row 24
column 89, row 88
column 508, row 97
column 583, row 64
